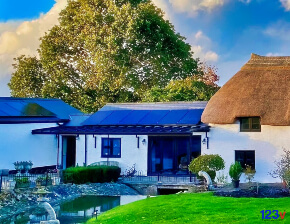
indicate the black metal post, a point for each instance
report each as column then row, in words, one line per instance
column 86, row 151
column 190, row 177
column 46, row 179
column 109, row 149
column 0, row 181
column 57, row 162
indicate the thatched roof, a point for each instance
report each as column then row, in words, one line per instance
column 261, row 88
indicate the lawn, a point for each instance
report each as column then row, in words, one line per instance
column 196, row 208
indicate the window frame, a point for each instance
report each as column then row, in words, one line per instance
column 245, row 158
column 110, row 154
column 251, row 129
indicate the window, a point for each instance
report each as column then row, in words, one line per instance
column 111, row 147
column 250, row 124
column 245, row 158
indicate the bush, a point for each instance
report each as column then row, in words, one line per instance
column 207, row 163
column 44, row 181
column 236, row 171
column 249, row 173
column 282, row 170
column 91, row 174
column 22, row 182
column 286, row 178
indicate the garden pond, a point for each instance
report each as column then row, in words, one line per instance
column 78, row 210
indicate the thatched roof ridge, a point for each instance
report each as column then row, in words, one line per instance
column 261, row 88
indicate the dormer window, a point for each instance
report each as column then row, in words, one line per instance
column 250, row 124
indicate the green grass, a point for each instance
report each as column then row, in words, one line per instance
column 195, row 208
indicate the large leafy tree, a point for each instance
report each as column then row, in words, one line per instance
column 188, row 89
column 194, row 88
column 105, row 51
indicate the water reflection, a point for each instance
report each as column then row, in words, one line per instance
column 78, row 210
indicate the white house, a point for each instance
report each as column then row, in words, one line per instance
column 18, row 117
column 247, row 120
column 249, row 116
column 160, row 138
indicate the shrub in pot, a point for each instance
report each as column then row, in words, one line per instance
column 43, row 181
column 235, row 172
column 207, row 163
column 23, row 182
column 249, row 173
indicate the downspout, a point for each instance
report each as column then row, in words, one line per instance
column 207, row 147
column 109, row 148
column 57, row 162
column 138, row 141
column 86, row 152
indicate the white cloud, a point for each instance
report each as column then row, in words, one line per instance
column 286, row 4
column 193, row 6
column 9, row 26
column 245, row 1
column 22, row 37
column 200, row 45
column 164, row 5
column 279, row 30
column 273, row 54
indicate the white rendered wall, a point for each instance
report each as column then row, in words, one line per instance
column 18, row 144
column 130, row 154
column 268, row 145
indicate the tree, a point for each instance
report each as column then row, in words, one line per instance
column 207, row 163
column 31, row 69
column 209, row 74
column 188, row 89
column 106, row 51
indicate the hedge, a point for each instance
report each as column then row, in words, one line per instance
column 91, row 174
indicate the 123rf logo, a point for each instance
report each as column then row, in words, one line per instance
column 274, row 214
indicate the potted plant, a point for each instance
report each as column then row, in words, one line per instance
column 23, row 182
column 27, row 165
column 235, row 172
column 249, row 173
column 43, row 181
column 18, row 166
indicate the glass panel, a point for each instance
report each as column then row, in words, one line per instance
column 256, row 123
column 246, row 158
column 64, row 147
column 250, row 159
column 171, row 155
column 105, row 151
column 245, row 124
column 105, row 147
column 195, row 147
column 105, row 142
column 240, row 157
column 155, row 156
column 116, row 143
column 182, row 147
column 167, row 148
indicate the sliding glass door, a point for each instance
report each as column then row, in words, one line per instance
column 171, row 155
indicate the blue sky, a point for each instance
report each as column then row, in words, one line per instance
column 222, row 32
column 23, row 9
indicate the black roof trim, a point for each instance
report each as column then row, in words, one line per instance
column 123, row 130
column 26, row 120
